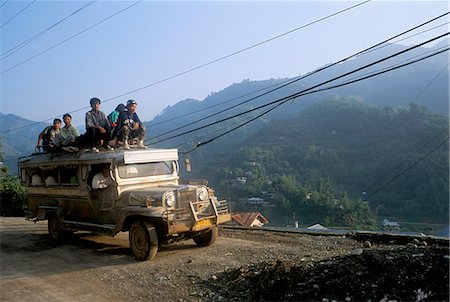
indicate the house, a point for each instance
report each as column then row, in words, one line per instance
column 390, row 225
column 387, row 223
column 249, row 219
column 256, row 201
column 241, row 179
column 317, row 226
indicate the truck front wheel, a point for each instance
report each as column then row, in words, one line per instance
column 143, row 240
column 207, row 238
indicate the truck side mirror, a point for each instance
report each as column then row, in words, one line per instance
column 188, row 164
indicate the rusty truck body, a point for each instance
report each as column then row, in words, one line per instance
column 145, row 197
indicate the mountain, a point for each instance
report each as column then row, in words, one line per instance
column 425, row 83
column 19, row 137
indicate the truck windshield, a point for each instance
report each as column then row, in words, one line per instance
column 145, row 169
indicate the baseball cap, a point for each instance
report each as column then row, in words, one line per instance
column 131, row 102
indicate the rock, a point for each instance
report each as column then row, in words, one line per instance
column 357, row 252
column 214, row 277
column 367, row 244
column 418, row 255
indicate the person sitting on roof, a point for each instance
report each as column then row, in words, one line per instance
column 67, row 134
column 97, row 127
column 48, row 136
column 113, row 118
column 130, row 126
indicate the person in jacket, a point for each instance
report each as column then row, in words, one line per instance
column 130, row 126
column 113, row 118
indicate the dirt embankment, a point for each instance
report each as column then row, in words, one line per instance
column 241, row 265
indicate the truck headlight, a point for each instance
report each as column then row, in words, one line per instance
column 202, row 194
column 169, row 199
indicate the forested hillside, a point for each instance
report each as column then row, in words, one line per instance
column 18, row 138
column 346, row 151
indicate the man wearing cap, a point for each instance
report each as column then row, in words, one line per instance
column 97, row 127
column 129, row 126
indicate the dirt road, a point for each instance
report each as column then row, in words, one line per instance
column 92, row 267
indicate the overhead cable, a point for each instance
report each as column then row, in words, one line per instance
column 155, row 123
column 369, row 49
column 71, row 37
column 406, row 170
column 295, row 95
column 383, row 178
column 1, row 26
column 311, row 92
column 199, row 144
column 158, row 82
column 388, row 126
column 31, row 39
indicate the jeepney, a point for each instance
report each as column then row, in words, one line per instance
column 145, row 197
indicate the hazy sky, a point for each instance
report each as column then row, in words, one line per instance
column 154, row 40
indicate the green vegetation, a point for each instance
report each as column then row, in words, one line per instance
column 12, row 193
column 12, row 196
column 335, row 154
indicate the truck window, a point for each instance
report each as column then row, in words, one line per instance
column 69, row 175
column 51, row 177
column 36, row 177
column 145, row 169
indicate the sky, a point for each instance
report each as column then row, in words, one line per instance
column 151, row 41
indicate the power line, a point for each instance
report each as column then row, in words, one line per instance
column 365, row 51
column 239, row 51
column 152, row 124
column 283, row 100
column 31, row 39
column 416, row 97
column 195, row 68
column 1, row 26
column 311, row 92
column 407, row 169
column 295, row 95
column 381, row 179
column 141, row 88
column 233, row 129
column 71, row 37
column 4, row 2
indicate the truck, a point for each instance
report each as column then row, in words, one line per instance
column 141, row 193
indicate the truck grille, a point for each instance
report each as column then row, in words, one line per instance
column 187, row 204
column 183, row 210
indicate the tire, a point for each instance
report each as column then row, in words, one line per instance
column 208, row 238
column 143, row 240
column 54, row 229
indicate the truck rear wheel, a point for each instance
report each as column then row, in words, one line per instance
column 143, row 240
column 207, row 238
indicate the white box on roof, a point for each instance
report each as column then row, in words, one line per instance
column 150, row 155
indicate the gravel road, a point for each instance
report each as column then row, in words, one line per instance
column 241, row 265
